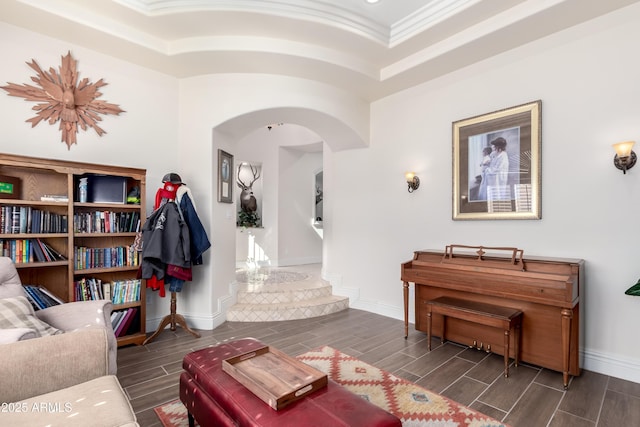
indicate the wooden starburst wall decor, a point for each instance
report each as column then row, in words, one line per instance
column 61, row 98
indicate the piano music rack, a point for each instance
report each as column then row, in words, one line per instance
column 502, row 257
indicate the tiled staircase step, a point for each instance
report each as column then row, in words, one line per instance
column 314, row 307
column 283, row 294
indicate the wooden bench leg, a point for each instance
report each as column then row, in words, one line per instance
column 516, row 346
column 506, row 353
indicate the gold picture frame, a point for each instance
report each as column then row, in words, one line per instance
column 225, row 176
column 497, row 164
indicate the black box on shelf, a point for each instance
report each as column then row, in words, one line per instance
column 107, row 189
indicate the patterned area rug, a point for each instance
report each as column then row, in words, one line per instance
column 414, row 405
column 173, row 414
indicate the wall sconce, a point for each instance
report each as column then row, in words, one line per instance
column 412, row 181
column 625, row 158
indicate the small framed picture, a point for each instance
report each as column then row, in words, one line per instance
column 225, row 168
column 496, row 164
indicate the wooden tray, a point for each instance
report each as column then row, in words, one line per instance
column 273, row 376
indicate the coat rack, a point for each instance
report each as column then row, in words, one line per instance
column 173, row 318
column 167, row 194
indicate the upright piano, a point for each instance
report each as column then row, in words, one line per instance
column 546, row 290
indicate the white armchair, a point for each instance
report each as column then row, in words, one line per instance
column 67, row 317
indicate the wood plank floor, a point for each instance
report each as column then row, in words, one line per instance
column 530, row 397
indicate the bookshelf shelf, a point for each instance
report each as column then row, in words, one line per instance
column 108, row 206
column 36, row 264
column 135, row 338
column 106, row 270
column 49, row 187
column 127, row 305
column 34, row 203
column 101, row 235
column 33, row 236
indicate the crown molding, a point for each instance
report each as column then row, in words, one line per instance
column 307, row 10
column 431, row 14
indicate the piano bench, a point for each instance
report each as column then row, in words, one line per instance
column 485, row 314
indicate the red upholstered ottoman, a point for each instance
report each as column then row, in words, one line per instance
column 214, row 398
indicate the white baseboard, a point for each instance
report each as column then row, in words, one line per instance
column 193, row 321
column 285, row 262
column 603, row 363
column 380, row 308
column 205, row 322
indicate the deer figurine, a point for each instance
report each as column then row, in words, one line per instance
column 248, row 202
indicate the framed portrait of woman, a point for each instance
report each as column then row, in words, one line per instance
column 496, row 164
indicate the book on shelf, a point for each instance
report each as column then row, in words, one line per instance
column 119, row 256
column 106, row 222
column 51, row 295
column 46, row 252
column 27, row 219
column 116, row 317
column 29, row 250
column 34, row 299
column 125, row 321
column 17, row 249
column 106, row 291
column 40, row 297
column 15, row 219
column 89, row 289
column 54, row 198
column 38, row 253
column 118, row 291
column 125, row 291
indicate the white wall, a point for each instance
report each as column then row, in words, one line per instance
column 298, row 241
column 144, row 136
column 587, row 79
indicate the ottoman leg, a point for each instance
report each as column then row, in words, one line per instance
column 192, row 422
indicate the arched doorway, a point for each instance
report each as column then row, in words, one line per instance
column 278, row 141
column 290, row 146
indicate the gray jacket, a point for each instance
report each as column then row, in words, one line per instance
column 165, row 238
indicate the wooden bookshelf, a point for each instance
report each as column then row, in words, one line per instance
column 40, row 178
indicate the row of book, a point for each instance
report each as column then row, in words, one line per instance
column 118, row 291
column 40, row 297
column 26, row 219
column 121, row 320
column 106, row 222
column 29, row 250
column 118, row 256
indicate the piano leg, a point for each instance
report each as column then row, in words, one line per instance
column 405, row 292
column 567, row 316
column 516, row 347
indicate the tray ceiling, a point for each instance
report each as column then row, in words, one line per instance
column 370, row 49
